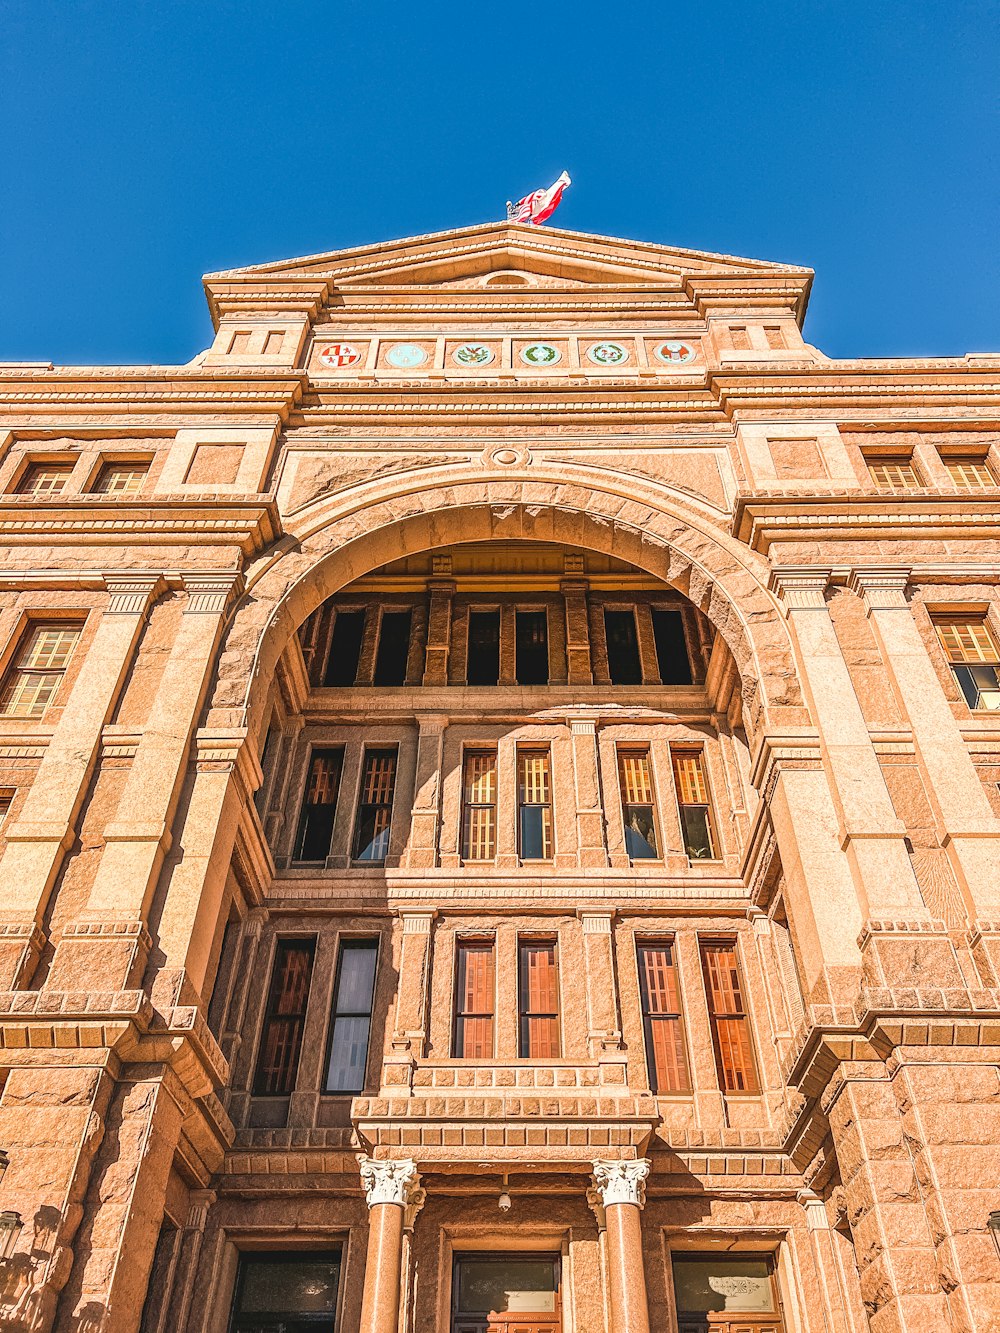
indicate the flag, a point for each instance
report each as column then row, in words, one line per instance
column 541, row 204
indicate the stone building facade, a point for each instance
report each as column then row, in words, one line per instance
column 500, row 772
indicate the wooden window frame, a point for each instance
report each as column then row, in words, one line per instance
column 63, row 466
column 979, row 468
column 17, row 667
column 524, row 1013
column 344, row 943
column 622, row 753
column 683, row 1087
column 385, row 805
column 966, row 660
column 903, row 463
column 272, row 1014
column 548, row 828
column 738, row 1018
column 305, row 806
column 678, row 752
column 469, row 806
column 482, row 944
column 107, row 465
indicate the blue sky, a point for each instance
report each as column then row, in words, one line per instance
column 147, row 143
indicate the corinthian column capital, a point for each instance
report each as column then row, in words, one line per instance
column 621, row 1182
column 389, row 1182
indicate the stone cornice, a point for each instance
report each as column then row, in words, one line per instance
column 761, row 520
column 250, row 523
column 151, row 388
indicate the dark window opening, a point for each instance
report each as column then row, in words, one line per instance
column 393, row 648
column 671, row 648
column 266, row 759
column 345, row 648
column 319, row 806
column 352, row 1016
column 502, row 1284
column 624, row 665
column 278, row 1057
column 532, row 645
column 371, row 828
column 286, row 1293
column 483, row 664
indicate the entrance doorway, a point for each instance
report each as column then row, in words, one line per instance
column 505, row 1293
column 730, row 1293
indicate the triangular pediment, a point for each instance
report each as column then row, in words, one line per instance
column 500, row 254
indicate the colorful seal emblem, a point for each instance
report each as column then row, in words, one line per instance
column 473, row 354
column 338, row 355
column 675, row 353
column 406, row 356
column 608, row 354
column 540, row 354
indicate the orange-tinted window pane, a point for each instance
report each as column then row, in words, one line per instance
column 278, row 1058
column 661, row 1018
column 975, row 663
column 539, row 1000
column 474, row 972
column 693, row 804
column 37, row 669
column 120, row 478
column 730, row 1027
column 45, row 478
column 479, row 798
column 970, row 473
column 895, row 473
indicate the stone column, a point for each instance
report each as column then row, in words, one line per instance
column 441, row 592
column 587, row 783
column 621, row 1186
column 176, row 1317
column 139, row 837
column 422, row 849
column 410, row 1028
column 969, row 829
column 390, row 1187
column 603, row 1027
column 37, row 842
column 578, row 666
column 827, row 1271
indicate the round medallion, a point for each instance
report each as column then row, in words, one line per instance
column 540, row 354
column 338, row 355
column 608, row 354
column 676, row 353
column 405, row 356
column 473, row 354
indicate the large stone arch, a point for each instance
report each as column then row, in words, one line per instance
column 663, row 538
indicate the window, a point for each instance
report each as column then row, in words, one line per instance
column 474, row 973
column 345, row 648
column 624, row 666
column 39, row 665
column 352, row 1016
column 286, row 1293
column 319, row 806
column 693, row 804
column 636, row 780
column 970, row 473
column 393, row 648
column 483, row 664
column 6, row 801
column 371, row 829
column 534, row 801
column 671, row 648
column 42, row 479
column 486, row 1285
column 538, row 994
column 727, row 1284
column 531, row 633
column 895, row 473
column 120, row 478
column 661, row 1017
column 730, row 1029
column 974, row 660
column 479, row 805
column 278, row 1057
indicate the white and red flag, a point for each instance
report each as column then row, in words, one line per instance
column 539, row 205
